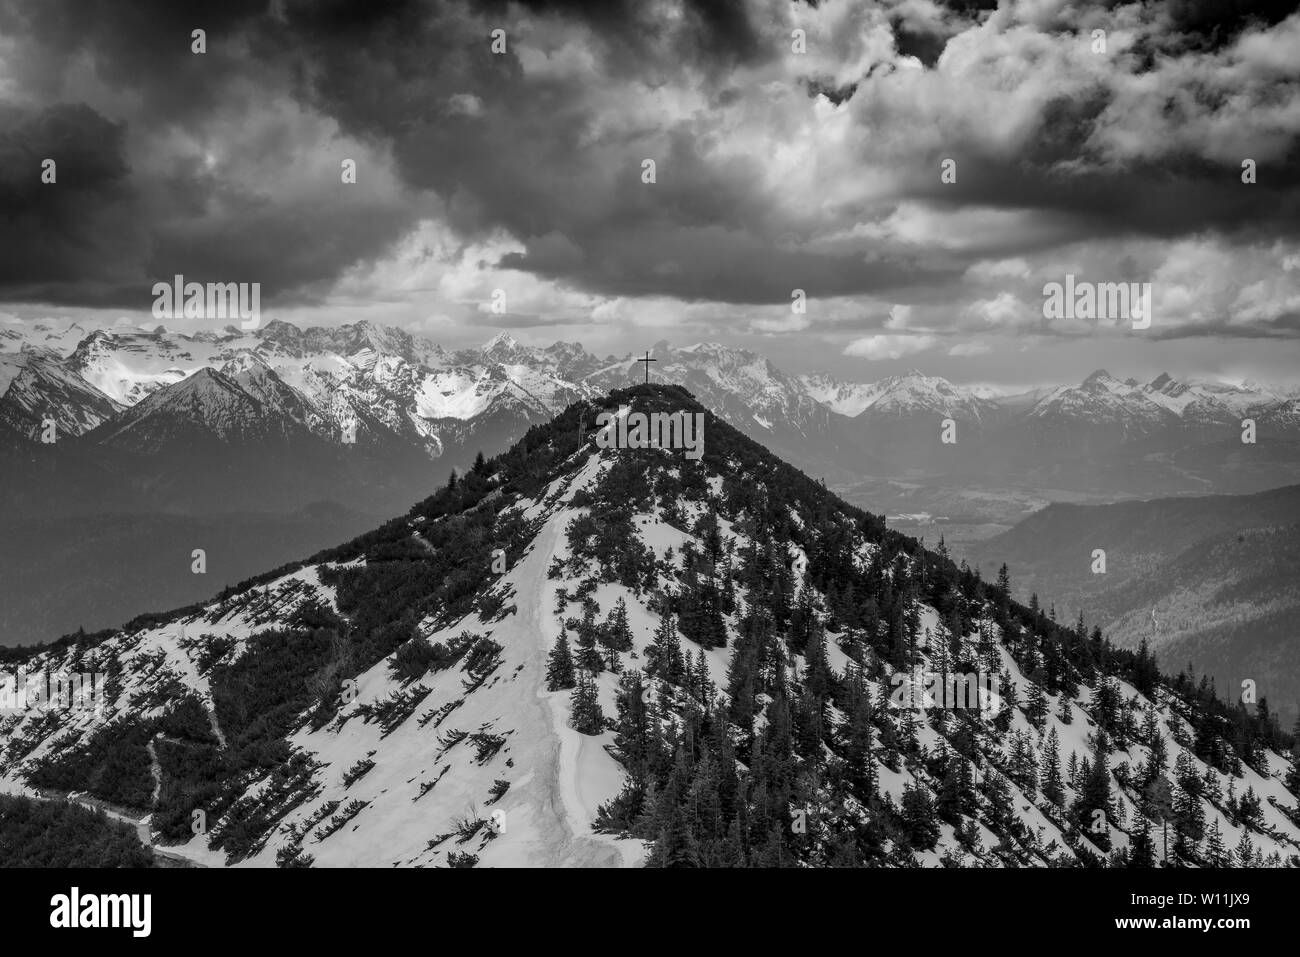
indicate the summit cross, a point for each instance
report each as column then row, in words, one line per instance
column 647, row 360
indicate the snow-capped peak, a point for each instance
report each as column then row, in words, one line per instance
column 897, row 395
column 245, row 361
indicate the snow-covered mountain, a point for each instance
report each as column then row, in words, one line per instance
column 579, row 656
column 845, row 398
column 129, row 365
column 250, row 405
column 41, row 335
column 902, row 397
column 365, row 384
column 1138, row 407
column 367, row 387
column 1102, row 400
column 36, row 386
column 407, row 384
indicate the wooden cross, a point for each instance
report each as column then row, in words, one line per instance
column 647, row 360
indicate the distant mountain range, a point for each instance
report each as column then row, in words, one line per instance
column 394, row 402
column 271, row 421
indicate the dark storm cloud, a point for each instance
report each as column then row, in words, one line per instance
column 702, row 231
column 225, row 166
column 79, row 230
column 705, row 230
column 1209, row 24
column 384, row 71
column 231, row 202
column 719, row 32
column 140, row 45
column 1165, row 200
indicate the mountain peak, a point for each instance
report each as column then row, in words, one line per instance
column 245, row 361
column 204, row 378
column 406, row 615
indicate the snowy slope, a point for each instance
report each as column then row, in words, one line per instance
column 36, row 387
column 472, row 758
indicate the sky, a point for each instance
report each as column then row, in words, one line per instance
column 796, row 146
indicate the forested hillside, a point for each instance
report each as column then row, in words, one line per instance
column 582, row 655
column 55, row 834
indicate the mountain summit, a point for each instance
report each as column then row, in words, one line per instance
column 576, row 654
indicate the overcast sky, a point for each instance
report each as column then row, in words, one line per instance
column 775, row 170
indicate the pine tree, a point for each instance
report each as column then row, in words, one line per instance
column 956, row 795
column 632, row 740
column 1052, row 785
column 1248, row 809
column 706, row 690
column 664, row 654
column 919, row 818
column 589, row 658
column 675, row 844
column 1189, row 813
column 1150, row 726
column 859, row 760
column 588, row 718
column 1095, row 796
column 559, row 665
column 1036, row 707
column 1146, row 673
column 1142, row 851
column 1216, row 854
column 1106, row 704
column 615, row 636
column 1293, row 774
column 1024, row 766
column 1244, row 856
column 617, row 632
column 1002, row 811
column 1156, row 761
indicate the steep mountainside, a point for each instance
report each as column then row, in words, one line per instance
column 40, row 389
column 576, row 655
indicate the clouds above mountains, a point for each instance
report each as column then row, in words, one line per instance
column 775, row 169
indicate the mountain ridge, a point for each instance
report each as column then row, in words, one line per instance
column 400, row 699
